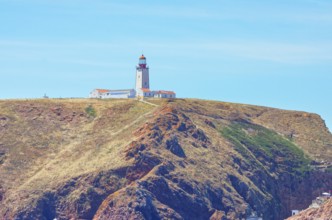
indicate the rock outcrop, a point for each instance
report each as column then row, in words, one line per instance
column 322, row 213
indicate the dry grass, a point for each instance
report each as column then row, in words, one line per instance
column 45, row 149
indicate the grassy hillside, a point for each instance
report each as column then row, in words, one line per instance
column 181, row 159
column 48, row 142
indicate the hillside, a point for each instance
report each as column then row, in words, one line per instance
column 182, row 159
column 323, row 213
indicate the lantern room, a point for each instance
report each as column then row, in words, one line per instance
column 142, row 61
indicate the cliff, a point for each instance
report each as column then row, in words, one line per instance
column 182, row 159
column 323, row 213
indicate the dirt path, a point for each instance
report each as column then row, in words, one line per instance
column 149, row 103
column 137, row 119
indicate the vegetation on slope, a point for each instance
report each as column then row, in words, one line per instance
column 91, row 111
column 267, row 145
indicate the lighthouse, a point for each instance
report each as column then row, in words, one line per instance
column 142, row 87
column 142, row 78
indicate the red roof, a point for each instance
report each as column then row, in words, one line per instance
column 145, row 90
column 142, row 57
column 102, row 90
column 166, row 92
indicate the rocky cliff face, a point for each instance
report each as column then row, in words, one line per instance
column 322, row 213
column 185, row 159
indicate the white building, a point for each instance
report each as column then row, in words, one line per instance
column 114, row 94
column 295, row 212
column 143, row 92
column 120, row 94
column 164, row 94
column 98, row 93
column 142, row 87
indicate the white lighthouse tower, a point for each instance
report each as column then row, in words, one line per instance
column 142, row 78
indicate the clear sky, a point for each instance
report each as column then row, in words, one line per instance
column 274, row 53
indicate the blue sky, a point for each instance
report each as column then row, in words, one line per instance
column 274, row 53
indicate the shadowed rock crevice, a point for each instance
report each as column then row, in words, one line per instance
column 173, row 145
column 2, row 157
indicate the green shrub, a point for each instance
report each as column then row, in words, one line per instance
column 91, row 111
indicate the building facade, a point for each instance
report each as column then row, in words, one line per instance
column 98, row 93
column 113, row 94
column 164, row 94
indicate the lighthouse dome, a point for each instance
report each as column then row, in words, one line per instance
column 142, row 61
